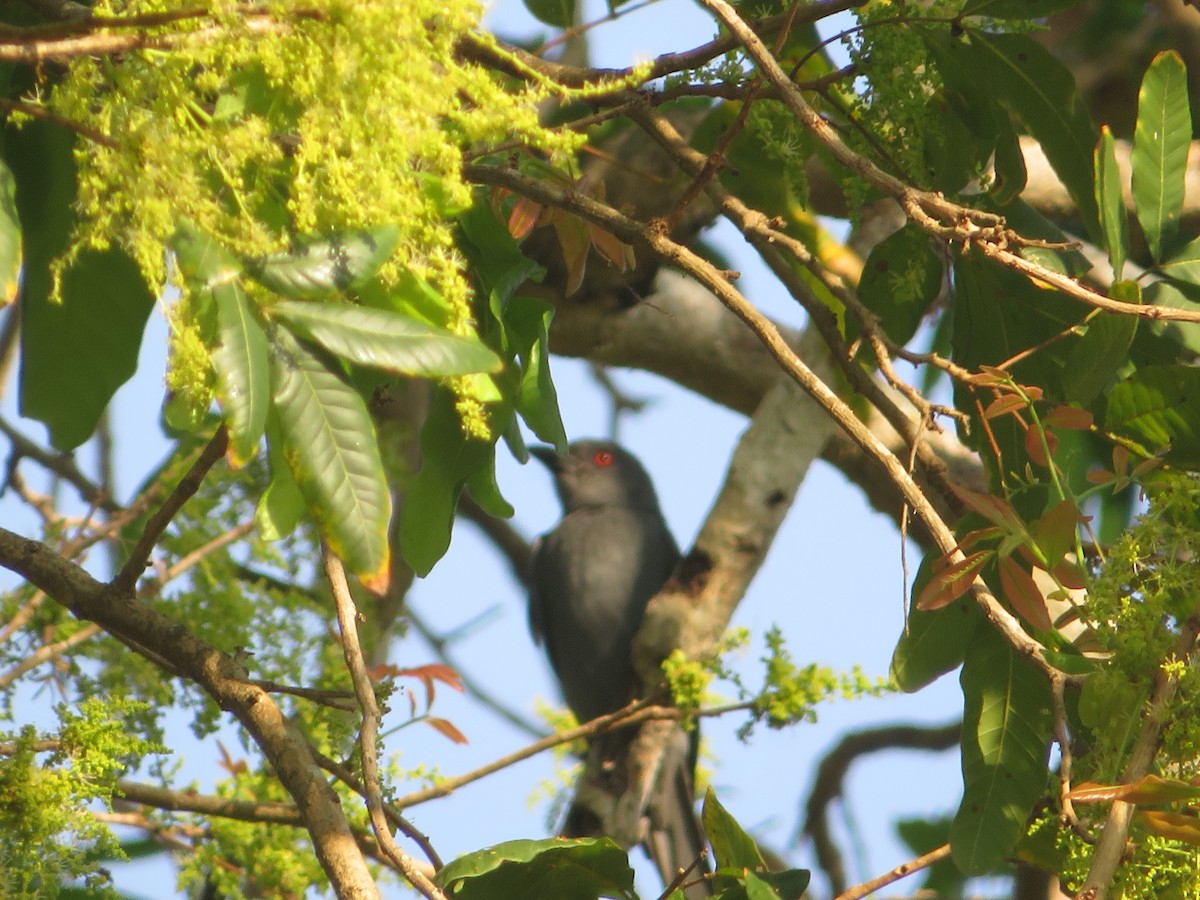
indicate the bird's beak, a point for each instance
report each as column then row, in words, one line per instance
column 548, row 456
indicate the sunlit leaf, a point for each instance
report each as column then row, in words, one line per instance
column 952, row 582
column 1114, row 223
column 330, row 445
column 1160, row 150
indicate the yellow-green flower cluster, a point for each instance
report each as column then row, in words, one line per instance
column 259, row 122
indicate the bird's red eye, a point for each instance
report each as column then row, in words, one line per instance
column 603, row 458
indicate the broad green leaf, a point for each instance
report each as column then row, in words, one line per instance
column 242, row 369
column 320, row 268
column 900, row 281
column 1097, row 357
column 1185, row 265
column 565, row 869
column 449, row 458
column 483, row 487
column 1005, row 749
column 383, row 340
column 281, row 506
column 559, row 13
column 732, row 846
column 202, row 260
column 74, row 354
column 999, row 314
column 933, row 644
column 1159, row 406
column 527, row 323
column 1160, row 150
column 1185, row 334
column 329, row 443
column 10, row 236
column 1041, row 92
column 1113, row 221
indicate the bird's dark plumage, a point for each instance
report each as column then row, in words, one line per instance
column 591, row 579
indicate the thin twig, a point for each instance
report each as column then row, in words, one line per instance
column 347, row 616
column 901, row 871
column 188, row 485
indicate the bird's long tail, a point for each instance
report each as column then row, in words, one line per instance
column 675, row 840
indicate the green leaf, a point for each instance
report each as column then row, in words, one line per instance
column 330, row 445
column 1041, row 92
column 933, row 643
column 384, row 340
column 1160, row 150
column 900, row 281
column 559, row 13
column 1099, row 355
column 527, row 323
column 242, row 369
column 565, row 869
column 74, row 354
column 281, row 506
column 1005, row 749
column 448, row 459
column 202, row 260
column 1185, row 334
column 732, row 846
column 486, row 491
column 1159, row 406
column 320, row 268
column 1113, row 220
column 1184, row 266
column 10, row 236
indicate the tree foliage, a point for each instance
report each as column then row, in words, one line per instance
column 367, row 226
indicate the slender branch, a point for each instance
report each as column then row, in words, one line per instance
column 221, row 676
column 47, row 652
column 368, row 735
column 61, row 464
column 188, row 485
column 901, row 871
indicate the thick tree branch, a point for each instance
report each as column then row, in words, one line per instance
column 287, row 751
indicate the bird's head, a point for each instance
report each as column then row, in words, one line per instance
column 598, row 473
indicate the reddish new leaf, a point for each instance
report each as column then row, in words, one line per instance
column 1023, row 595
column 994, row 509
column 1003, row 405
column 952, row 582
column 447, row 729
column 1034, row 446
column 523, row 218
column 1055, row 531
column 1173, row 826
column 1069, row 575
column 1069, row 418
column 1148, row 789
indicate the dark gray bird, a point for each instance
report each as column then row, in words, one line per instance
column 590, row 581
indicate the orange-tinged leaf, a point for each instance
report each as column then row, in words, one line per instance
column 1147, row 789
column 428, row 675
column 994, row 509
column 1034, row 447
column 1173, row 826
column 611, row 247
column 1023, row 595
column 1120, row 458
column 1004, row 404
column 573, row 238
column 952, row 582
column 1055, row 531
column 447, row 729
column 523, row 218
column 1069, row 418
column 1032, row 391
column 1069, row 575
